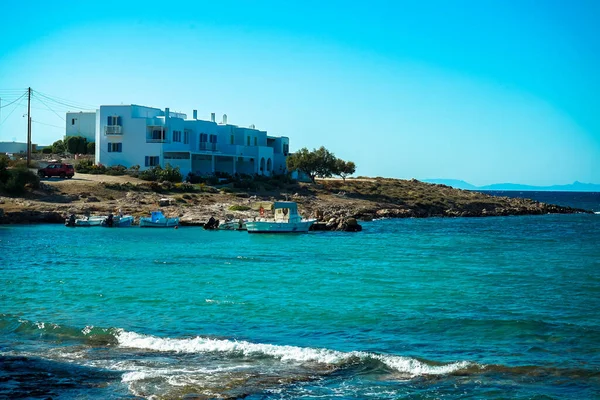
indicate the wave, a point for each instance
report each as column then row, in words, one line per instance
column 89, row 334
column 319, row 358
column 406, row 365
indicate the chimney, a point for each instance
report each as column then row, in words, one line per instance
column 195, row 114
column 212, row 117
column 225, row 119
column 166, row 114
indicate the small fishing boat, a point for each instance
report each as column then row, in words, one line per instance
column 234, row 225
column 285, row 220
column 118, row 221
column 158, row 220
column 90, row 221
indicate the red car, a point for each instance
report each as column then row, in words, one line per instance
column 57, row 169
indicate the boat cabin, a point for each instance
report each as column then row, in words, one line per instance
column 286, row 211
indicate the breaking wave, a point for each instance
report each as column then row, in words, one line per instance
column 405, row 365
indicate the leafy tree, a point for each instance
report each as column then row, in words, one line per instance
column 91, row 148
column 325, row 162
column 319, row 162
column 76, row 144
column 58, row 147
column 304, row 161
column 314, row 163
column 344, row 168
column 47, row 150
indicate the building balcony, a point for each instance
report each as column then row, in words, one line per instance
column 113, row 130
column 205, row 146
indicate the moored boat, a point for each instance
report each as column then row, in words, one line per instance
column 234, row 225
column 158, row 220
column 118, row 221
column 286, row 219
column 90, row 221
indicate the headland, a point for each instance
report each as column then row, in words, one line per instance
column 330, row 200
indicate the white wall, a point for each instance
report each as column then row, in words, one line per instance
column 13, row 147
column 135, row 122
column 81, row 124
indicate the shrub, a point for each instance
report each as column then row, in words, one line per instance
column 116, row 170
column 47, row 150
column 238, row 207
column 157, row 173
column 13, row 181
column 84, row 166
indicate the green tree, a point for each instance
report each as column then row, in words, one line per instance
column 344, row 168
column 303, row 161
column 58, row 147
column 319, row 162
column 76, row 144
column 91, row 148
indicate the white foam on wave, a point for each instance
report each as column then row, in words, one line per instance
column 596, row 212
column 198, row 344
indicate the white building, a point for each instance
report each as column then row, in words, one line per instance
column 82, row 124
column 136, row 135
column 15, row 147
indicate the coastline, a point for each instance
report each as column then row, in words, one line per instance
column 331, row 201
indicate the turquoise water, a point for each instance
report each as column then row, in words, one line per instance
column 414, row 308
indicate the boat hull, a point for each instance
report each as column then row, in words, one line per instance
column 120, row 222
column 279, row 227
column 90, row 222
column 166, row 223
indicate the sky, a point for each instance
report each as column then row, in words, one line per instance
column 485, row 91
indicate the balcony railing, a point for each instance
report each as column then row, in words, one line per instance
column 113, row 130
column 205, row 146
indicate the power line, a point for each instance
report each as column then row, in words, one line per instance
column 47, row 106
column 64, row 102
column 43, row 123
column 14, row 101
column 12, row 111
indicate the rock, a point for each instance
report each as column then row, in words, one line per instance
column 92, row 199
column 165, row 202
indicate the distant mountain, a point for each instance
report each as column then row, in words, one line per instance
column 573, row 187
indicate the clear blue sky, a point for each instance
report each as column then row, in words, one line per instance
column 485, row 91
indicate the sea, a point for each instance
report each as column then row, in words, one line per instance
column 437, row 308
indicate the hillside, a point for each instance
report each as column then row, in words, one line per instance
column 360, row 198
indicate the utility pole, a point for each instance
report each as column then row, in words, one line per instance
column 29, row 128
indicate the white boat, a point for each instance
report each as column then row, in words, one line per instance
column 118, row 221
column 286, row 220
column 158, row 220
column 233, row 225
column 90, row 221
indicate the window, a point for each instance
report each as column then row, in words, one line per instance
column 203, row 138
column 113, row 120
column 177, row 136
column 186, row 137
column 255, row 141
column 248, row 141
column 231, row 139
column 72, row 121
column 286, row 149
column 115, row 147
column 151, row 161
column 213, row 138
column 158, row 134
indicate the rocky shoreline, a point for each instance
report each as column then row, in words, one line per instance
column 337, row 205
